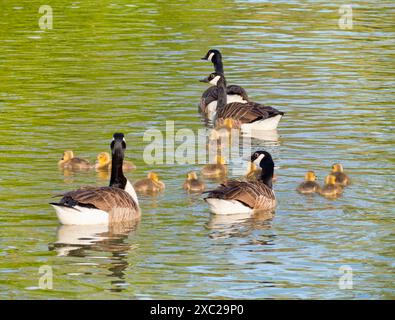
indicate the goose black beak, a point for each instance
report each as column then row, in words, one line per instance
column 206, row 80
column 204, row 58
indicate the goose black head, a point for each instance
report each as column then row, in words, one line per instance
column 213, row 78
column 262, row 159
column 213, row 56
column 118, row 142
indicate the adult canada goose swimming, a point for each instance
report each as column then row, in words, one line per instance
column 331, row 189
column 251, row 115
column 70, row 162
column 99, row 205
column 341, row 177
column 208, row 102
column 215, row 170
column 151, row 184
column 192, row 183
column 236, row 196
column 310, row 185
column 103, row 163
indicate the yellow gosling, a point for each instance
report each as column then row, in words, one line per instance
column 68, row 161
column 192, row 183
column 310, row 185
column 217, row 170
column 341, row 177
column 150, row 185
column 331, row 188
column 103, row 163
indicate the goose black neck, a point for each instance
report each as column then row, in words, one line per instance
column 117, row 177
column 267, row 175
column 221, row 91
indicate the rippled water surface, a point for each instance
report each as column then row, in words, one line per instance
column 110, row 66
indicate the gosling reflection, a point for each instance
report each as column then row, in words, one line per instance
column 81, row 241
column 238, row 225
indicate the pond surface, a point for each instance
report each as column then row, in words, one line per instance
column 130, row 66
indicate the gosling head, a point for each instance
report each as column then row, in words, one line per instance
column 228, row 123
column 220, row 160
column 192, row 175
column 153, row 176
column 103, row 158
column 310, row 176
column 337, row 167
column 251, row 167
column 330, row 179
column 68, row 155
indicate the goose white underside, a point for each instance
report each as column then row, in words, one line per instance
column 223, row 207
column 265, row 124
column 212, row 106
column 81, row 215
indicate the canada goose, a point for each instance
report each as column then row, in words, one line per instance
column 192, row 183
column 341, row 177
column 103, row 163
column 216, row 170
column 236, row 196
column 251, row 115
column 331, row 188
column 99, row 205
column 309, row 185
column 208, row 102
column 151, row 184
column 70, row 162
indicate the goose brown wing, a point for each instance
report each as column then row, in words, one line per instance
column 247, row 112
column 103, row 198
column 253, row 194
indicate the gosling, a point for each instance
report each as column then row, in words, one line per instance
column 341, row 177
column 217, row 170
column 192, row 183
column 70, row 162
column 310, row 185
column 150, row 185
column 103, row 163
column 331, row 189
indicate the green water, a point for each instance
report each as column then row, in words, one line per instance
column 129, row 66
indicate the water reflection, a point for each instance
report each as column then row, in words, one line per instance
column 238, row 225
column 82, row 241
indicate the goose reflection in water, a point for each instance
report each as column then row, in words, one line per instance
column 238, row 225
column 82, row 240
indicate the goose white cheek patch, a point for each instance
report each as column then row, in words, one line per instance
column 210, row 56
column 258, row 160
